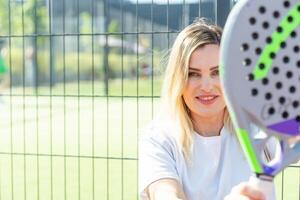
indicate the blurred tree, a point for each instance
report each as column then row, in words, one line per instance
column 25, row 17
column 32, row 12
column 37, row 14
column 4, row 24
column 85, row 23
column 37, row 18
column 113, row 26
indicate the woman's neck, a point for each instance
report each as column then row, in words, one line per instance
column 208, row 126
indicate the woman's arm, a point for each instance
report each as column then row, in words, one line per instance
column 166, row 188
column 245, row 191
column 170, row 189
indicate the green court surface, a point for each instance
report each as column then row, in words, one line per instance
column 56, row 147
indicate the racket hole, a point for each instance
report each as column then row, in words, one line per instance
column 268, row 96
column 296, row 49
column 261, row 66
column 276, row 14
column 295, row 104
column 271, row 152
column 286, row 59
column 298, row 8
column 269, row 40
column 290, row 19
column 254, row 92
column 265, row 25
column 279, row 29
column 289, row 74
column 250, row 77
column 265, row 81
column 258, row 51
column 298, row 64
column 247, row 62
column 244, row 47
column 285, row 114
column 275, row 70
column 272, row 55
column 282, row 45
column 262, row 9
column 278, row 85
column 292, row 89
column 252, row 20
column 286, row 4
column 298, row 118
column 281, row 100
column 293, row 34
column 255, row 36
column 271, row 111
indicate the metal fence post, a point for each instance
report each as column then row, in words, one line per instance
column 222, row 8
column 106, row 47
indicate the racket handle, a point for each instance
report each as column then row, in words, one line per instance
column 265, row 186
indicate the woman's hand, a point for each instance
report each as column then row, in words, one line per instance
column 244, row 191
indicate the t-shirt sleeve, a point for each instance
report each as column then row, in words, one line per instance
column 156, row 161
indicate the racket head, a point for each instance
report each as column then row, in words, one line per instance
column 260, row 75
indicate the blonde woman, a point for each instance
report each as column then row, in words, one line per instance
column 189, row 151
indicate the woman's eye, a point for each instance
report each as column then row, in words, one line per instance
column 194, row 74
column 215, row 73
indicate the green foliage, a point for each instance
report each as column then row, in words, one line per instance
column 22, row 17
column 39, row 17
column 85, row 22
column 119, row 65
column 113, row 26
column 68, row 61
column 4, row 24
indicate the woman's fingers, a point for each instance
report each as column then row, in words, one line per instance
column 236, row 197
column 245, row 191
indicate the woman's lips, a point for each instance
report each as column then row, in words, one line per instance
column 207, row 99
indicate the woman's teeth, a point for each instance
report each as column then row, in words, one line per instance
column 207, row 99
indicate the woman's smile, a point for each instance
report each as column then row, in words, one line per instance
column 207, row 99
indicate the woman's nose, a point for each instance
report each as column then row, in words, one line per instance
column 206, row 84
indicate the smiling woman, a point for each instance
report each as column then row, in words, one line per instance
column 189, row 151
column 202, row 94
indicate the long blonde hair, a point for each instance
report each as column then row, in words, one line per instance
column 196, row 35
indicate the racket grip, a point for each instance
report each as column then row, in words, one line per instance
column 265, row 186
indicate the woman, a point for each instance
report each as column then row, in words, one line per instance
column 189, row 151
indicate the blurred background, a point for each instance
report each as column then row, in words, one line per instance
column 79, row 79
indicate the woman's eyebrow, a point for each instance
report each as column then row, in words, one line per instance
column 193, row 69
column 196, row 69
column 213, row 68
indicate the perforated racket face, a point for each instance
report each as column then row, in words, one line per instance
column 260, row 63
column 260, row 74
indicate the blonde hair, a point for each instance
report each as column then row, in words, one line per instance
column 196, row 35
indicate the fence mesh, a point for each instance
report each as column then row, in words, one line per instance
column 79, row 79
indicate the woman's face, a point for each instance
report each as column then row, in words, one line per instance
column 202, row 94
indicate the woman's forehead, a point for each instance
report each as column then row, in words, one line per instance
column 205, row 57
column 199, row 69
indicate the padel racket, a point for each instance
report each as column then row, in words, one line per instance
column 260, row 74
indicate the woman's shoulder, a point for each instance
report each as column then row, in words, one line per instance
column 160, row 130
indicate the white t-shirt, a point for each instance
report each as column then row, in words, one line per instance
column 217, row 165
